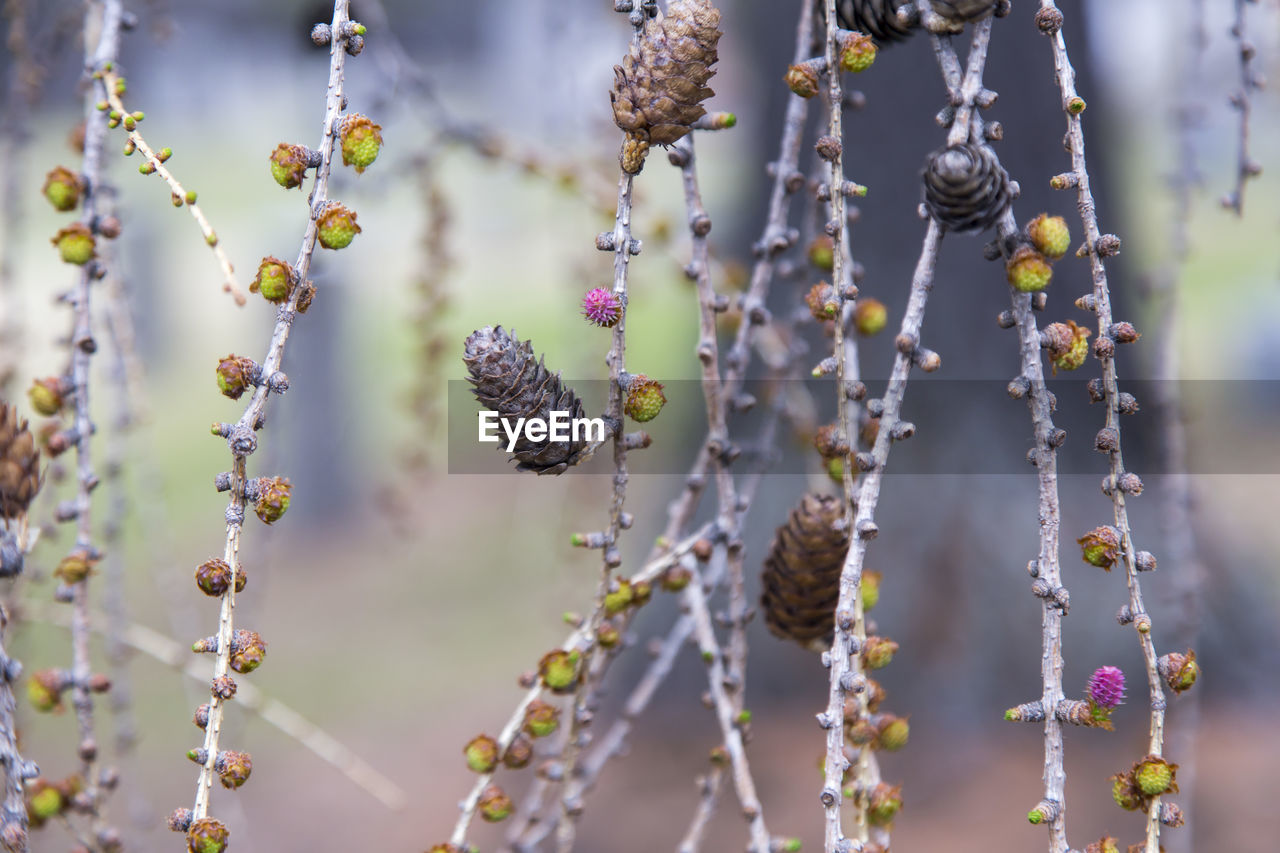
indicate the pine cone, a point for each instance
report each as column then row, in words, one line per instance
column 19, row 464
column 963, row 10
column 801, row 577
column 965, row 187
column 876, row 18
column 509, row 381
column 659, row 88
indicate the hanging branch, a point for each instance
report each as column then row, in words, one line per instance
column 1250, row 81
column 844, row 657
column 77, row 245
column 13, row 811
column 1030, row 384
column 20, row 481
column 574, row 642
column 155, row 164
column 732, row 683
column 830, row 148
column 242, row 650
column 1119, row 483
column 621, row 243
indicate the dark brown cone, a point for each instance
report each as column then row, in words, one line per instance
column 659, row 88
column 19, row 464
column 965, row 187
column 801, row 577
column 509, row 381
column 963, row 10
column 876, row 18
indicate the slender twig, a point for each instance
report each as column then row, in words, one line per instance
column 622, row 247
column 1047, row 568
column 1118, row 480
column 181, row 196
column 13, row 811
column 1250, row 81
column 846, row 376
column 775, row 237
column 726, row 714
column 241, row 436
column 719, row 451
column 842, row 658
column 576, row 640
column 99, row 54
column 709, row 795
column 1031, row 384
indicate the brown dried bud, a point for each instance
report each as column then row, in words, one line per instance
column 828, row 443
column 223, row 687
column 828, row 147
column 519, row 753
column 1049, row 20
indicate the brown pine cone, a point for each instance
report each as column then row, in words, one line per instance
column 801, row 577
column 509, row 381
column 659, row 88
column 965, row 187
column 876, row 18
column 19, row 464
column 963, row 10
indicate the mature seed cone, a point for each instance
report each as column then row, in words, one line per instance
column 876, row 18
column 509, row 381
column 659, row 88
column 965, row 187
column 19, row 464
column 801, row 576
column 963, row 10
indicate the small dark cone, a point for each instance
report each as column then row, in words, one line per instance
column 801, row 577
column 876, row 18
column 965, row 187
column 19, row 464
column 963, row 11
column 509, row 381
column 659, row 88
